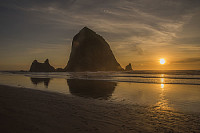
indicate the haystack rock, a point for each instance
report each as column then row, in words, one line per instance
column 90, row 52
column 41, row 67
column 129, row 67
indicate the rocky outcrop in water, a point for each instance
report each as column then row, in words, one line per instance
column 129, row 67
column 41, row 67
column 90, row 52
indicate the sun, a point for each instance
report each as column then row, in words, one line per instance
column 162, row 61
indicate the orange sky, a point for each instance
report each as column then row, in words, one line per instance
column 139, row 32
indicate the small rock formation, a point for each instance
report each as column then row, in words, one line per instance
column 41, row 67
column 129, row 67
column 90, row 52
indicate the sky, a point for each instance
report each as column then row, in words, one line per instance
column 139, row 32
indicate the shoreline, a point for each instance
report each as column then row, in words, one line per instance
column 28, row 110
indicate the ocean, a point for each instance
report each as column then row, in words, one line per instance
column 177, row 90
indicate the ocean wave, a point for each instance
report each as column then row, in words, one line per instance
column 119, row 77
column 132, row 81
column 158, row 77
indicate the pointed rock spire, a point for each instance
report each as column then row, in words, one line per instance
column 90, row 52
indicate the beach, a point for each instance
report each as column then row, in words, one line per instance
column 29, row 110
column 97, row 66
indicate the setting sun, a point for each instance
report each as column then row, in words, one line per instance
column 162, row 61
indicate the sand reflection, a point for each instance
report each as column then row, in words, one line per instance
column 162, row 86
column 37, row 81
column 91, row 88
column 162, row 82
column 163, row 102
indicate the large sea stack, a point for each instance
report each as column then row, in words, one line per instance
column 41, row 67
column 90, row 52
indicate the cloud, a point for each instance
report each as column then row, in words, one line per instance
column 188, row 40
column 139, row 27
column 187, row 60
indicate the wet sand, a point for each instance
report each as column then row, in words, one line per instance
column 27, row 110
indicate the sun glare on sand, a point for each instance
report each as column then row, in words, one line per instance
column 162, row 61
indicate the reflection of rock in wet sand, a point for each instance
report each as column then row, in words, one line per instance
column 91, row 88
column 40, row 80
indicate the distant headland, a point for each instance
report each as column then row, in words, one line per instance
column 89, row 52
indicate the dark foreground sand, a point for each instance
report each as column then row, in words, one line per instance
column 26, row 110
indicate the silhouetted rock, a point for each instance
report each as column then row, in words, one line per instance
column 96, row 89
column 90, row 52
column 129, row 67
column 41, row 67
